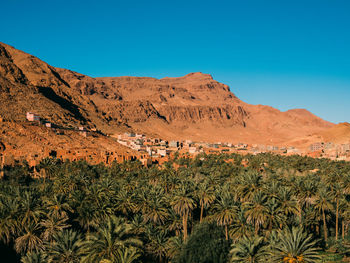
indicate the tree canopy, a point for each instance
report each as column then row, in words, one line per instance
column 211, row 208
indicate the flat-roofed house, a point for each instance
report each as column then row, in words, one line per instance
column 32, row 116
column 316, row 146
column 192, row 150
column 174, row 144
column 163, row 152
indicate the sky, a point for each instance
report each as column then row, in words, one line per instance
column 286, row 54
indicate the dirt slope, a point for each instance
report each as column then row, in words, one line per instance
column 337, row 134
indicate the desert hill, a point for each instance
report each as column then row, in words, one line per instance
column 194, row 106
column 337, row 134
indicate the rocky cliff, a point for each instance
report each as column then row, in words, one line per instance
column 194, row 106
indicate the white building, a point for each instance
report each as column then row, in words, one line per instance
column 32, row 117
column 192, row 150
column 174, row 144
column 163, row 152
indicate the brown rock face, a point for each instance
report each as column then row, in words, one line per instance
column 225, row 115
column 194, row 106
column 191, row 90
column 29, row 84
column 194, row 98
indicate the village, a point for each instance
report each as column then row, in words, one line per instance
column 158, row 148
column 153, row 150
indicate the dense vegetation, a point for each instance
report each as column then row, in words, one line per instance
column 208, row 209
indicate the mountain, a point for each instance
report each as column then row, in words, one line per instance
column 337, row 134
column 194, row 106
column 29, row 84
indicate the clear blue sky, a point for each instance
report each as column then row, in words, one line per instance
column 283, row 53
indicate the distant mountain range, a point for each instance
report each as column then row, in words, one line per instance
column 194, row 106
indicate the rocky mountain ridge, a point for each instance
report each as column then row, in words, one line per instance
column 194, row 106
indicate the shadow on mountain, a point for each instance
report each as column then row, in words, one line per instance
column 64, row 103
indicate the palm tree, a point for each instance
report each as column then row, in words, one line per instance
column 87, row 214
column 323, row 204
column 9, row 212
column 288, row 202
column 138, row 225
column 272, row 188
column 257, row 211
column 240, row 228
column 58, row 205
column 225, row 211
column 110, row 237
column 97, row 198
column 29, row 239
column 345, row 216
column 174, row 223
column 294, row 246
column 312, row 219
column 30, row 207
column 174, row 246
column 183, row 204
column 206, row 196
column 248, row 184
column 337, row 193
column 153, row 206
column 48, row 166
column 128, row 255
column 275, row 217
column 248, row 250
column 305, row 189
column 124, row 202
column 34, row 257
column 108, row 188
column 52, row 225
column 66, row 247
column 157, row 244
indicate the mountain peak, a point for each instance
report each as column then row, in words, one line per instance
column 198, row 75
